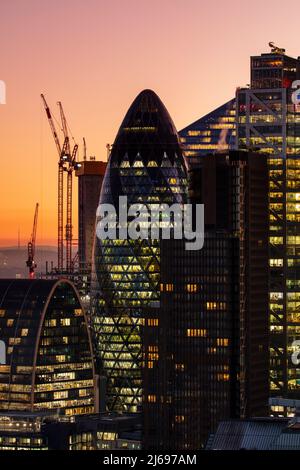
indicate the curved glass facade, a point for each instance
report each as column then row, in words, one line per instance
column 47, row 361
column 147, row 166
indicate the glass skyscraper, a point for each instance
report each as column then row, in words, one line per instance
column 213, row 132
column 48, row 361
column 147, row 166
column 268, row 120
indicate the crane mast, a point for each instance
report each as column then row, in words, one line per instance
column 60, row 200
column 66, row 163
column 69, row 225
column 70, row 163
column 30, row 263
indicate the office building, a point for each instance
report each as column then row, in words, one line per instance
column 147, row 166
column 48, row 431
column 46, row 351
column 267, row 119
column 211, row 133
column 90, row 176
column 207, row 358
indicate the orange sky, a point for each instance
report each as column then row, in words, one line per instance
column 96, row 56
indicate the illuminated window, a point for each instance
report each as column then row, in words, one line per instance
column 179, row 419
column 223, row 377
column 276, row 295
column 59, row 395
column 153, row 356
column 276, row 262
column 211, row 305
column 13, row 341
column 197, row 332
column 51, row 322
column 166, row 287
column 222, row 341
column 152, row 398
column 152, row 321
column 276, row 240
column 191, row 287
column 60, row 358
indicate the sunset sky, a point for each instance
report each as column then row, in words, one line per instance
column 96, row 56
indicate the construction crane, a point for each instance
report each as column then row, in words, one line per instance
column 73, row 165
column 70, row 165
column 60, row 243
column 66, row 163
column 30, row 263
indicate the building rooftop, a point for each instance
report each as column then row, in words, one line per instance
column 91, row 167
column 256, row 434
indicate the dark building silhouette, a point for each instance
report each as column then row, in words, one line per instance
column 90, row 176
column 207, row 359
column 47, row 359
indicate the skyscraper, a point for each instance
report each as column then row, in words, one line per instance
column 90, row 176
column 47, row 362
column 147, row 166
column 268, row 120
column 208, row 357
column 213, row 132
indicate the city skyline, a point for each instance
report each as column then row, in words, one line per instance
column 150, row 211
column 85, row 72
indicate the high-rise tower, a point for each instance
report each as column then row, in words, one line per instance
column 268, row 119
column 209, row 357
column 147, row 166
column 90, row 176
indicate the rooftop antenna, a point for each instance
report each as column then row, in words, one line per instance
column 84, row 149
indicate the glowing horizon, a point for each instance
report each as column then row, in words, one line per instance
column 95, row 57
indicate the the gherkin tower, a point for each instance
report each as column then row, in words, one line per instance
column 147, row 166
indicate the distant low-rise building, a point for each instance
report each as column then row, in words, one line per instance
column 49, row 431
column 257, row 434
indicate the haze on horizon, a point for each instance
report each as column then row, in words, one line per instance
column 96, row 56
